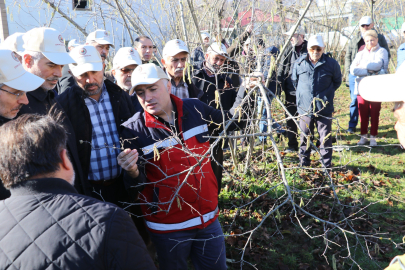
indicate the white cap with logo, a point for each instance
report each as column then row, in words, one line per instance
column 300, row 31
column 14, row 75
column 147, row 74
column 384, row 88
column 87, row 59
column 217, row 48
column 316, row 40
column 73, row 43
column 49, row 42
column 14, row 42
column 100, row 36
column 205, row 35
column 365, row 20
column 174, row 47
column 126, row 56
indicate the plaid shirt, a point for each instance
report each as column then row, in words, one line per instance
column 103, row 161
column 181, row 90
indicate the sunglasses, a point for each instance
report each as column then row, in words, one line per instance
column 318, row 49
column 127, row 70
column 365, row 25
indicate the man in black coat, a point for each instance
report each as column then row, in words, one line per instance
column 55, row 226
column 96, row 109
column 209, row 78
column 47, row 61
column 14, row 84
column 297, row 48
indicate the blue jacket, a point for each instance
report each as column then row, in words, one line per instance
column 319, row 82
column 400, row 54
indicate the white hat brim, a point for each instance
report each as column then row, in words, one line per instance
column 26, row 82
column 86, row 67
column 59, row 58
column 382, row 88
column 104, row 42
column 146, row 81
column 176, row 52
column 127, row 63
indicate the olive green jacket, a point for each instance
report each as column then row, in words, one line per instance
column 352, row 49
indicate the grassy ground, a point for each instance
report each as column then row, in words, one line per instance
column 369, row 184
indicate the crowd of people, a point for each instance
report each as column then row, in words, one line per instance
column 83, row 146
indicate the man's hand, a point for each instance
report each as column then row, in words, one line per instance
column 251, row 80
column 127, row 160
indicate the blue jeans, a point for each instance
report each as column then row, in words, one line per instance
column 354, row 109
column 209, row 254
column 263, row 121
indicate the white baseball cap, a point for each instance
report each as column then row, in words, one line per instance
column 100, row 36
column 365, row 20
column 384, row 88
column 316, row 40
column 248, row 41
column 87, row 59
column 73, row 43
column 403, row 28
column 49, row 42
column 205, row 35
column 14, row 75
column 147, row 74
column 14, row 43
column 300, row 31
column 126, row 56
column 217, row 48
column 174, row 47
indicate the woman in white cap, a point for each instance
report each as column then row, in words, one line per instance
column 373, row 60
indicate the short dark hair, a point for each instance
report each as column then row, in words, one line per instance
column 30, row 146
column 260, row 42
column 138, row 39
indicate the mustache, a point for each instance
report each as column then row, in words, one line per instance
column 103, row 55
column 87, row 86
column 178, row 69
column 52, row 78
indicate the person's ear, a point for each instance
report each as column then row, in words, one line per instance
column 206, row 56
column 163, row 62
column 113, row 72
column 28, row 61
column 66, row 164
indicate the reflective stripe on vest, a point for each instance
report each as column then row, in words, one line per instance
column 168, row 142
column 182, row 225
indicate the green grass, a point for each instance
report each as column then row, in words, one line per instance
column 371, row 179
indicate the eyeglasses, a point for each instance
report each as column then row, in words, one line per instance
column 365, row 25
column 18, row 95
column 127, row 70
column 316, row 49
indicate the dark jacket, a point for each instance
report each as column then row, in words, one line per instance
column 199, row 196
column 65, row 83
column 319, row 82
column 285, row 66
column 40, row 102
column 45, row 224
column 4, row 193
column 208, row 85
column 193, row 91
column 76, row 110
column 197, row 57
column 353, row 48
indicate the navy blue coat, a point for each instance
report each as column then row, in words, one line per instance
column 319, row 82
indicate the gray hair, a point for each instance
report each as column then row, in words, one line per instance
column 36, row 56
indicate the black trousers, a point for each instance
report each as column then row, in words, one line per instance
column 324, row 127
column 291, row 105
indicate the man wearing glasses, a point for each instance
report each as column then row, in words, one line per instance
column 316, row 78
column 356, row 45
column 15, row 82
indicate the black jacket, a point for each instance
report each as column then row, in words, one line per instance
column 208, row 85
column 65, row 83
column 45, row 224
column 4, row 193
column 72, row 101
column 40, row 101
column 287, row 61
